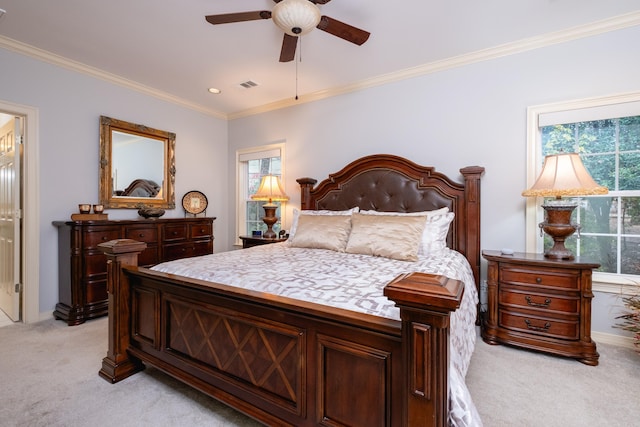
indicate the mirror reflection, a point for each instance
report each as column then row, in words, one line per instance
column 137, row 165
column 130, row 176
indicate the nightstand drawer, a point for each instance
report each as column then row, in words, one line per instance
column 556, row 278
column 540, row 301
column 539, row 325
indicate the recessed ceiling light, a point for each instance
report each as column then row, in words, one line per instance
column 215, row 90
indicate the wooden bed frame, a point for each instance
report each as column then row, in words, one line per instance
column 287, row 362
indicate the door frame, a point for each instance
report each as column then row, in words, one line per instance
column 30, row 305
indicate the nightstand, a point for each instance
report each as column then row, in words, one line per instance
column 250, row 241
column 540, row 304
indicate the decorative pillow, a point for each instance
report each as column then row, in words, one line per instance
column 390, row 236
column 434, row 236
column 322, row 232
column 297, row 213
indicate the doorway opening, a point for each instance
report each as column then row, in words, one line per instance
column 19, row 219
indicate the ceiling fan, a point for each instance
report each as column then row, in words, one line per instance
column 296, row 18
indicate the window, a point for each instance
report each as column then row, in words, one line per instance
column 253, row 164
column 606, row 135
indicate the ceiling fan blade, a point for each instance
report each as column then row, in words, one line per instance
column 227, row 18
column 342, row 30
column 288, row 52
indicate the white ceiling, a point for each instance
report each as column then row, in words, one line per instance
column 167, row 46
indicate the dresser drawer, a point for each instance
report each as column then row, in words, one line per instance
column 142, row 234
column 540, row 301
column 175, row 232
column 556, row 278
column 199, row 231
column 92, row 238
column 539, row 325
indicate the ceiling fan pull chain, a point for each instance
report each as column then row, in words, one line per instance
column 299, row 50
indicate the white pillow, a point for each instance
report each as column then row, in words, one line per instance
column 434, row 236
column 297, row 213
column 322, row 232
column 389, row 236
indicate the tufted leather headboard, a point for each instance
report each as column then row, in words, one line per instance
column 389, row 183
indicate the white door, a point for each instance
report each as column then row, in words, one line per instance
column 10, row 214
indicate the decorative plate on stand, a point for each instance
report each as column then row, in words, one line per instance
column 194, row 202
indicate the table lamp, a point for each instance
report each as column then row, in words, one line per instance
column 563, row 175
column 270, row 190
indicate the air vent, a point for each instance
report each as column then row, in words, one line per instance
column 248, row 84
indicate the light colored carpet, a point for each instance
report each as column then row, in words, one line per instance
column 49, row 374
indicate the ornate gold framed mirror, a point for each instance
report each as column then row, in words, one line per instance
column 137, row 165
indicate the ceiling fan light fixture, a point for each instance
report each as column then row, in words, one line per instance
column 296, row 17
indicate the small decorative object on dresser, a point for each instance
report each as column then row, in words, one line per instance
column 194, row 203
column 540, row 304
column 150, row 212
column 250, row 241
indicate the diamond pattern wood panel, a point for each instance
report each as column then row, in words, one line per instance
column 266, row 355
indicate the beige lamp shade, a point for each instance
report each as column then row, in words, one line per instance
column 270, row 190
column 564, row 175
column 296, row 17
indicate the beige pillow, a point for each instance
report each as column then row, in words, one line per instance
column 434, row 236
column 322, row 232
column 298, row 213
column 390, row 236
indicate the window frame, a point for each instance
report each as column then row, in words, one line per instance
column 241, row 183
column 534, row 214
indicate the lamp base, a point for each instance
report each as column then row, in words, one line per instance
column 269, row 218
column 558, row 226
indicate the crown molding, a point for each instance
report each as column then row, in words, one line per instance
column 69, row 64
column 524, row 45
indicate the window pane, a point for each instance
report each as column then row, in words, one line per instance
column 601, row 249
column 558, row 138
column 631, row 255
column 595, row 216
column 596, row 137
column 602, row 169
column 631, row 215
column 630, row 171
column 630, row 133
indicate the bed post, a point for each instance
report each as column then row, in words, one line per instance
column 118, row 365
column 425, row 303
column 306, row 185
column 472, row 176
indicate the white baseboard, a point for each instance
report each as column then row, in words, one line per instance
column 618, row 340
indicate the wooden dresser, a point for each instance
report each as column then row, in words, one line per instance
column 540, row 304
column 82, row 285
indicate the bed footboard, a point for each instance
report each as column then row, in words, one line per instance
column 284, row 362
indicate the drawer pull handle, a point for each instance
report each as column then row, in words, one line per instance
column 538, row 280
column 544, row 328
column 141, row 235
column 546, row 303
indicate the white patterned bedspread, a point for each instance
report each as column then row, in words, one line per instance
column 350, row 281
